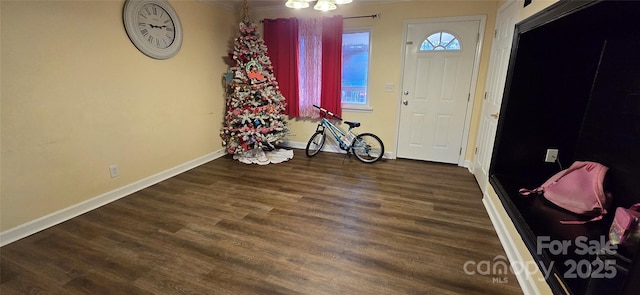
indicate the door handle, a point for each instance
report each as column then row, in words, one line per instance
column 406, row 93
column 496, row 115
column 405, row 102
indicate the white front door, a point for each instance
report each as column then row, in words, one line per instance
column 436, row 88
column 500, row 53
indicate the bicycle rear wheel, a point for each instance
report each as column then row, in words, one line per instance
column 367, row 147
column 315, row 144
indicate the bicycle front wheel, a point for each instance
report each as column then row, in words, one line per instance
column 367, row 147
column 315, row 144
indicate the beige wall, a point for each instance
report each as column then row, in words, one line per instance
column 386, row 57
column 534, row 7
column 77, row 96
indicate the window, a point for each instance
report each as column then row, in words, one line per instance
column 355, row 69
column 440, row 41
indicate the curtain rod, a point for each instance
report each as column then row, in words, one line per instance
column 377, row 15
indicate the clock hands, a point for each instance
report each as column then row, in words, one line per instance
column 153, row 26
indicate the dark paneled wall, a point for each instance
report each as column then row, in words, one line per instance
column 573, row 84
column 547, row 100
column 611, row 129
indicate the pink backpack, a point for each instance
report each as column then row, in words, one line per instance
column 578, row 189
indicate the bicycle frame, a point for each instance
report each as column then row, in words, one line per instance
column 337, row 133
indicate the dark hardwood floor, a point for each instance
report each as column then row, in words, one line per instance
column 307, row 226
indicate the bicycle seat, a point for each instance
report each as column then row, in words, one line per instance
column 352, row 124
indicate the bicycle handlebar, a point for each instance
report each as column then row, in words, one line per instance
column 323, row 110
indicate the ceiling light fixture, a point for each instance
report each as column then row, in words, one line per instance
column 322, row 5
column 297, row 4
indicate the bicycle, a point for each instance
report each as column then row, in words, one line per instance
column 367, row 147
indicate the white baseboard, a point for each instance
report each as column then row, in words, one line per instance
column 328, row 146
column 467, row 164
column 331, row 147
column 32, row 227
column 525, row 278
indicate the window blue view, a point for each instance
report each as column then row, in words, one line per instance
column 440, row 41
column 355, row 67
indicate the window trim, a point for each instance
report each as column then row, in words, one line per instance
column 361, row 107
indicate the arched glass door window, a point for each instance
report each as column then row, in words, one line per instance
column 440, row 41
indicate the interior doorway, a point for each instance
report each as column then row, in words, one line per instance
column 500, row 54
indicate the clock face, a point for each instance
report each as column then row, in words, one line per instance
column 156, row 26
column 153, row 27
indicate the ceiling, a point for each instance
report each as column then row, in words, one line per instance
column 279, row 3
column 264, row 3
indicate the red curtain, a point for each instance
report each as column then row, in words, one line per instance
column 281, row 38
column 331, row 98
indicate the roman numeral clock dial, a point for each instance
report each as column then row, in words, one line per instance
column 153, row 27
column 156, row 26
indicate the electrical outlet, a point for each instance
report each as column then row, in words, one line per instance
column 114, row 171
column 551, row 156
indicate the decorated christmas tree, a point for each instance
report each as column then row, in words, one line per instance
column 254, row 118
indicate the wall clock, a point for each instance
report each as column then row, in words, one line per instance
column 153, row 27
